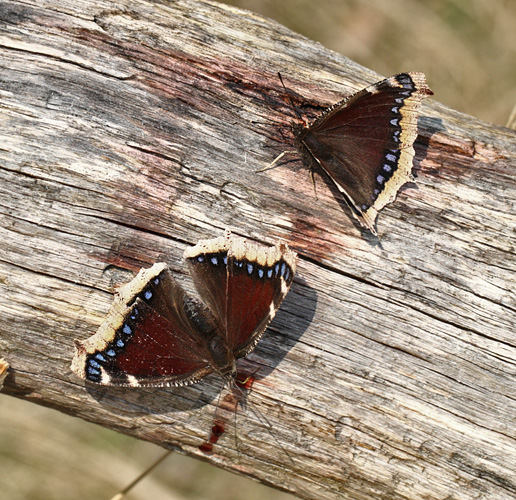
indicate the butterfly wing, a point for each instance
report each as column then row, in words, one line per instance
column 151, row 337
column 365, row 143
column 243, row 284
column 208, row 266
column 259, row 278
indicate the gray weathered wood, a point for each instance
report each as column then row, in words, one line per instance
column 128, row 134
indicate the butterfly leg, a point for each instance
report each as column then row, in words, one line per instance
column 312, row 178
column 273, row 164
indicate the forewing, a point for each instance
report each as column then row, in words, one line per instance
column 259, row 278
column 151, row 337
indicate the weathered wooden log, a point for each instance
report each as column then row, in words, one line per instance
column 129, row 134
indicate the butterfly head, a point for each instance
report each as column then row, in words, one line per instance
column 300, row 129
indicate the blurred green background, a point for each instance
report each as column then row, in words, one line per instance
column 466, row 48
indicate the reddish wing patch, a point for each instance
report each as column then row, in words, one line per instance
column 254, row 294
column 152, row 349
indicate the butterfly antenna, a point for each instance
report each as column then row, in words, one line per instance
column 235, row 387
column 121, row 494
column 294, row 107
column 237, row 448
column 265, row 422
column 214, row 417
column 274, row 163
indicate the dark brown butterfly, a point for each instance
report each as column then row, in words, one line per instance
column 157, row 335
column 364, row 143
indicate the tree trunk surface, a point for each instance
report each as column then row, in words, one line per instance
column 130, row 133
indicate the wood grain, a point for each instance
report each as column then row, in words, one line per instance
column 129, row 134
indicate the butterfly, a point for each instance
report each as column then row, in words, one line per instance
column 364, row 143
column 155, row 334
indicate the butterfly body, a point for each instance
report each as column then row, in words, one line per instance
column 157, row 335
column 364, row 143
